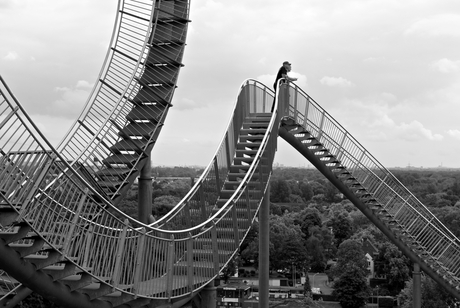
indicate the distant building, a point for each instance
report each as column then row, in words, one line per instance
column 232, row 295
column 371, row 253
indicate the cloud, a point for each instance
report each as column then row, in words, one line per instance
column 336, row 82
column 11, row 56
column 188, row 104
column 455, row 133
column 438, row 25
column 72, row 99
column 415, row 131
column 446, row 66
column 378, row 119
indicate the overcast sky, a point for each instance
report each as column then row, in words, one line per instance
column 387, row 70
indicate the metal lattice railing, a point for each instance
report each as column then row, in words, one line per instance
column 141, row 67
column 157, row 262
column 403, row 213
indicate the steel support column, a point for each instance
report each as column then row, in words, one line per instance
column 417, row 291
column 144, row 205
column 264, row 250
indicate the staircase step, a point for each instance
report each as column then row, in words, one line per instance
column 24, row 249
column 121, row 159
column 135, row 129
column 113, row 172
column 43, row 260
column 145, row 112
column 251, row 145
column 17, row 233
column 146, row 95
column 227, row 193
column 240, row 153
column 253, row 131
column 129, row 145
column 239, row 160
column 110, row 185
column 258, row 125
column 77, row 281
column 61, row 270
column 234, row 176
column 251, row 138
column 8, row 215
column 96, row 290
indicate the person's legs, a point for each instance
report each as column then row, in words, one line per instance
column 274, row 98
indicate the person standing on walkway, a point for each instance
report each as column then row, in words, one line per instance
column 282, row 73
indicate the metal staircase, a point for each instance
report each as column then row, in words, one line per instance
column 60, row 238
column 371, row 187
column 124, row 115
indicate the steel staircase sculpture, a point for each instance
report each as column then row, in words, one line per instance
column 61, row 239
column 371, row 187
column 123, row 117
column 61, row 234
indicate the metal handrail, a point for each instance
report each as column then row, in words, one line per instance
column 62, row 212
column 398, row 208
column 355, row 149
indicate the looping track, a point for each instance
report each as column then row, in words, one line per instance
column 59, row 234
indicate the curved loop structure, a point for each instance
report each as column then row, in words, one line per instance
column 115, row 133
column 78, row 251
column 59, row 234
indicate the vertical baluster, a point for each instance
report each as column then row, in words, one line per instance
column 139, row 267
column 202, row 202
column 170, row 267
column 121, row 247
column 190, row 271
column 235, row 225
column 69, row 235
column 215, row 248
column 89, row 238
column 216, row 171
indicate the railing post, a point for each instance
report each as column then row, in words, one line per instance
column 186, row 210
column 321, row 124
column 264, row 249
column 121, row 247
column 307, row 107
column 202, row 203
column 227, row 152
column 65, row 246
column 89, row 238
column 190, row 271
column 248, row 201
column 216, row 172
column 43, row 172
column 215, row 248
column 235, row 225
column 139, row 262
column 170, row 267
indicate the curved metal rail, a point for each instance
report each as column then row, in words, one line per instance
column 54, row 240
column 115, row 133
column 59, row 235
column 371, row 187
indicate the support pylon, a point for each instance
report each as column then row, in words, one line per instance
column 417, row 290
column 144, row 206
column 264, row 250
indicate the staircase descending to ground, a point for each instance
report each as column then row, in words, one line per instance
column 60, row 230
column 371, row 187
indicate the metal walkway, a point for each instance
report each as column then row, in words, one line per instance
column 59, row 236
